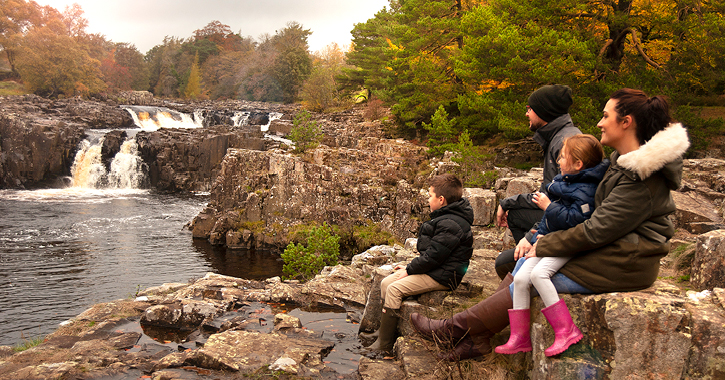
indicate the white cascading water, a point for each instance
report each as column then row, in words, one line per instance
column 88, row 169
column 163, row 118
column 127, row 167
column 240, row 118
column 272, row 117
column 89, row 172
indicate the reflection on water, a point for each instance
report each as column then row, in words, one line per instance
column 250, row 265
column 63, row 250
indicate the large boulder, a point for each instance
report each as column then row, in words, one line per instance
column 708, row 268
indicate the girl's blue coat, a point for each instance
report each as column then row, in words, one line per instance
column 572, row 199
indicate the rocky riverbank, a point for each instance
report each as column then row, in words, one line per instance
column 673, row 330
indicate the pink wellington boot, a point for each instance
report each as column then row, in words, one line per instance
column 520, row 339
column 565, row 330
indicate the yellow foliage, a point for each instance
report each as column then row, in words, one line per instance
column 489, row 85
column 393, row 46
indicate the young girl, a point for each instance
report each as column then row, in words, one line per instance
column 572, row 192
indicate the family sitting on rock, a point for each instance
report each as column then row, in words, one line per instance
column 612, row 242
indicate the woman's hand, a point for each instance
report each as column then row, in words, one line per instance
column 541, row 200
column 532, row 251
column 522, row 248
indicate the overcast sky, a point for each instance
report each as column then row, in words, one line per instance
column 145, row 23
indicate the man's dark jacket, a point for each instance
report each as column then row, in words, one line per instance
column 445, row 244
column 551, row 138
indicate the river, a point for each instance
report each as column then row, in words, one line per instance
column 63, row 250
column 102, row 238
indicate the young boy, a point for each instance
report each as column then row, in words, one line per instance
column 445, row 244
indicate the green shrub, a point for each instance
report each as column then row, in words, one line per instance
column 306, row 133
column 472, row 163
column 441, row 132
column 322, row 249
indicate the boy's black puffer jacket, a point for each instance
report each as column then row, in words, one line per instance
column 445, row 244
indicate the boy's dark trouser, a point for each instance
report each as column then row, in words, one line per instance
column 520, row 222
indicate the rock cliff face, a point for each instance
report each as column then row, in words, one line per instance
column 274, row 190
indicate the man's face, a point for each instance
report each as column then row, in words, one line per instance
column 535, row 122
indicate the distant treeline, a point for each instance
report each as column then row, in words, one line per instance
column 474, row 60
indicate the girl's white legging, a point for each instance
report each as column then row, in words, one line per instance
column 537, row 271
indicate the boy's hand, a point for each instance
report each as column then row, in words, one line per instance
column 541, row 200
column 522, row 248
column 403, row 274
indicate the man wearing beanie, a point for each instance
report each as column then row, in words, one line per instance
column 548, row 113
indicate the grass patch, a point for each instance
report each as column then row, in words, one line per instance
column 28, row 344
column 9, row 88
column 256, row 227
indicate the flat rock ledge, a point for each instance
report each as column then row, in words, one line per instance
column 662, row 332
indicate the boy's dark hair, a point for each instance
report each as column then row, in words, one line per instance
column 447, row 185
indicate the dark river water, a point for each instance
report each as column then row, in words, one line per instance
column 63, row 250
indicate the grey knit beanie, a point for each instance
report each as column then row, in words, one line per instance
column 551, row 101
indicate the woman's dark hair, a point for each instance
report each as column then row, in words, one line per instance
column 651, row 114
column 447, row 185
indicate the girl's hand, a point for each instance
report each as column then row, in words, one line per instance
column 541, row 200
column 521, row 248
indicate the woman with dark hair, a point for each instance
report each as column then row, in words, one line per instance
column 619, row 248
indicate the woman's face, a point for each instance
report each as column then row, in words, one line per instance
column 612, row 129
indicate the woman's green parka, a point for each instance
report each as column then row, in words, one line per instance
column 620, row 246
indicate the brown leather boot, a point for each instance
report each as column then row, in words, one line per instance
column 455, row 328
column 484, row 320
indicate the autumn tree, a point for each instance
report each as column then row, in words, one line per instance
column 369, row 55
column 506, row 55
column 127, row 55
column 255, row 78
column 193, row 85
column 162, row 64
column 404, row 57
column 53, row 59
column 16, row 18
column 116, row 76
column 320, row 90
column 220, row 72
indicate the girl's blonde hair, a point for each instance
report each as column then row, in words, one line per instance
column 584, row 148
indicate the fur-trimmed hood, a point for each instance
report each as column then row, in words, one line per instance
column 663, row 151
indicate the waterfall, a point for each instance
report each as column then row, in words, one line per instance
column 240, row 118
column 87, row 169
column 154, row 118
column 127, row 170
column 272, row 116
